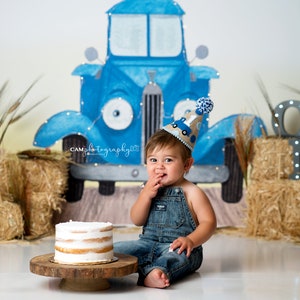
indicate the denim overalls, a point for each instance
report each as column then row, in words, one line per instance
column 169, row 218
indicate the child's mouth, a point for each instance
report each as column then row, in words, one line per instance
column 163, row 176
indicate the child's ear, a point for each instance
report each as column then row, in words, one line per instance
column 188, row 164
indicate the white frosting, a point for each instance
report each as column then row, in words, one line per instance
column 83, row 242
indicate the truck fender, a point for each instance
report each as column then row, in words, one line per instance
column 63, row 124
column 211, row 143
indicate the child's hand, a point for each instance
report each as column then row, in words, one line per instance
column 183, row 243
column 152, row 185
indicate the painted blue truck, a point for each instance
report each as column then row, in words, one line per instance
column 145, row 83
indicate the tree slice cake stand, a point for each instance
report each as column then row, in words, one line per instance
column 84, row 277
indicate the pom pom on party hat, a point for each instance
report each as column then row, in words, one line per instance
column 186, row 129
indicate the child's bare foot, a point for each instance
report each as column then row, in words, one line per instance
column 157, row 279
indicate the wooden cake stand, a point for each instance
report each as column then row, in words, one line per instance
column 85, row 277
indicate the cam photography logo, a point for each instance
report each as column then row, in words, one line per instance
column 124, row 150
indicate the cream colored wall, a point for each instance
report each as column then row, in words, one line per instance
column 47, row 38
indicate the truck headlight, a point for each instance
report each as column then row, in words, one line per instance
column 117, row 114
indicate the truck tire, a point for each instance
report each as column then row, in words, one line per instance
column 106, row 188
column 232, row 189
column 75, row 186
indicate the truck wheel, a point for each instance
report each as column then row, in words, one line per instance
column 75, row 186
column 232, row 189
column 106, row 188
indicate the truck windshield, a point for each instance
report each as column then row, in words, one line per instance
column 129, row 35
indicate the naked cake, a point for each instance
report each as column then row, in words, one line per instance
column 83, row 242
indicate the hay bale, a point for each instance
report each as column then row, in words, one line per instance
column 11, row 220
column 273, row 209
column 12, row 183
column 45, row 184
column 39, row 213
column 32, row 186
column 45, row 173
column 272, row 159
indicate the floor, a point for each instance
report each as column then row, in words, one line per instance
column 233, row 268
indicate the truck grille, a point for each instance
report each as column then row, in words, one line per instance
column 152, row 110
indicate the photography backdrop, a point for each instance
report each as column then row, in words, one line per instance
column 245, row 38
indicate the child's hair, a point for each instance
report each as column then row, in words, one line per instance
column 161, row 139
